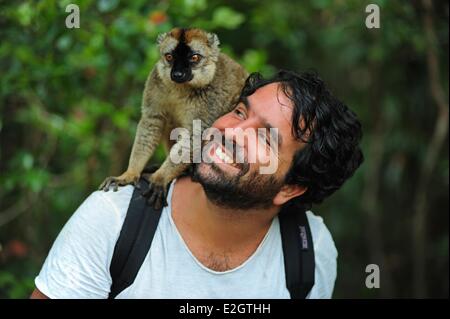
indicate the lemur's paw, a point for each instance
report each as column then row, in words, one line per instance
column 116, row 181
column 156, row 192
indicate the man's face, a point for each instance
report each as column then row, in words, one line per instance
column 243, row 186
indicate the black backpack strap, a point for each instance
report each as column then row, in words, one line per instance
column 134, row 241
column 298, row 251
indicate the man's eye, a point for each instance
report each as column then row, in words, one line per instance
column 239, row 113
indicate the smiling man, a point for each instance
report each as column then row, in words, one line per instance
column 219, row 236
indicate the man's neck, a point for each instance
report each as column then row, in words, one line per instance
column 221, row 229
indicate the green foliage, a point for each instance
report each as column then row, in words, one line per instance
column 70, row 102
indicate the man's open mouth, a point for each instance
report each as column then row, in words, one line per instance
column 221, row 155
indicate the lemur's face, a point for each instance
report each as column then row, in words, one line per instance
column 188, row 56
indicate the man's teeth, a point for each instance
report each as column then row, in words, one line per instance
column 224, row 157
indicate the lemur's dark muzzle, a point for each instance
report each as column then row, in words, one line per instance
column 179, row 76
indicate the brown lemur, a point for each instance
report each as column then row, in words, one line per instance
column 193, row 80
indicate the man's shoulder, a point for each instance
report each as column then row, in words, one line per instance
column 103, row 210
column 118, row 201
column 322, row 238
column 78, row 263
column 325, row 255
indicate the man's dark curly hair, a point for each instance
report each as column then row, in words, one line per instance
column 329, row 128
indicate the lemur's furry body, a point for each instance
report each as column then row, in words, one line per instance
column 191, row 81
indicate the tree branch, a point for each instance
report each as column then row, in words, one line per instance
column 370, row 196
column 17, row 209
column 431, row 156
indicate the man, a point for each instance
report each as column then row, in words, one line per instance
column 219, row 236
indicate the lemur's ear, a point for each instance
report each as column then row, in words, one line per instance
column 213, row 40
column 161, row 37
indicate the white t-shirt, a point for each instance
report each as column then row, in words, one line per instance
column 78, row 263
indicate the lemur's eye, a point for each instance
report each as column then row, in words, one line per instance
column 169, row 57
column 195, row 58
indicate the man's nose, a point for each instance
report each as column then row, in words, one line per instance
column 249, row 123
column 231, row 122
column 237, row 129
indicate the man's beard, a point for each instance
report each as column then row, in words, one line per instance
column 238, row 191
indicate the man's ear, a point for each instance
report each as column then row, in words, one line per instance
column 288, row 192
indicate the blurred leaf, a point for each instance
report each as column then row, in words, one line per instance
column 107, row 5
column 226, row 17
column 25, row 13
column 27, row 161
column 254, row 60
